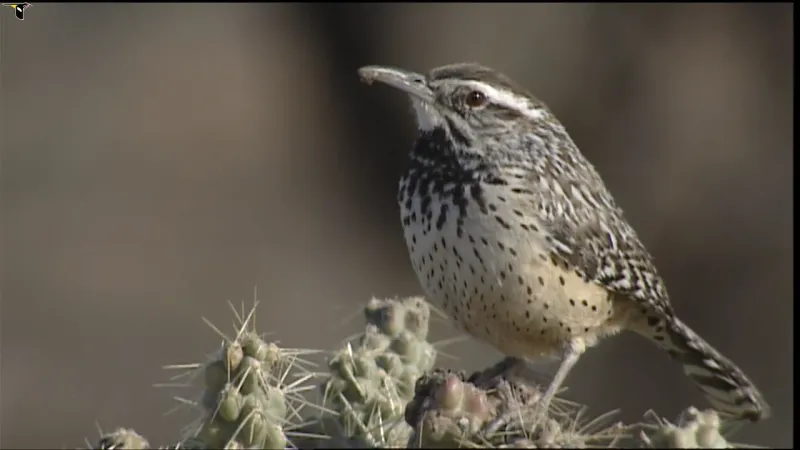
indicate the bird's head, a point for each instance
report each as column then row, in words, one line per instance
column 468, row 100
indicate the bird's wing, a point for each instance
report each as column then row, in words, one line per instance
column 613, row 258
column 588, row 232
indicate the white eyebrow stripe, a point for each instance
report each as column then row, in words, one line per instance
column 509, row 100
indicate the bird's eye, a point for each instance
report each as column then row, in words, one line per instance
column 475, row 99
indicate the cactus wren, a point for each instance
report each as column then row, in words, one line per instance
column 512, row 232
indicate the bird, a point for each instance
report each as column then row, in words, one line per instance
column 513, row 234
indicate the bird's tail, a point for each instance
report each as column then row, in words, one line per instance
column 728, row 389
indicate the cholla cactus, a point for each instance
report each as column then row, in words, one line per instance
column 450, row 411
column 252, row 393
column 380, row 391
column 371, row 381
column 243, row 399
column 122, row 438
column 695, row 429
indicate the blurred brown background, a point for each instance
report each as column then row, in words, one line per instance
column 158, row 161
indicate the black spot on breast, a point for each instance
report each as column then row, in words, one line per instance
column 442, row 216
column 502, row 222
column 478, row 256
column 476, row 193
column 494, row 180
column 424, row 206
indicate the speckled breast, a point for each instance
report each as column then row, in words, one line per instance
column 489, row 269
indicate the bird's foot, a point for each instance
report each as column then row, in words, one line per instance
column 496, row 372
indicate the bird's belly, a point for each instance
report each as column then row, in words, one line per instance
column 501, row 286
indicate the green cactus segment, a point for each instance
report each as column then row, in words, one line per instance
column 245, row 404
column 246, row 400
column 372, row 379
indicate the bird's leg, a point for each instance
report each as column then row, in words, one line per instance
column 505, row 368
column 571, row 352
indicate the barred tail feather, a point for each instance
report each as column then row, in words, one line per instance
column 728, row 389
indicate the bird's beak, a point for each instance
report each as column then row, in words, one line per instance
column 411, row 83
